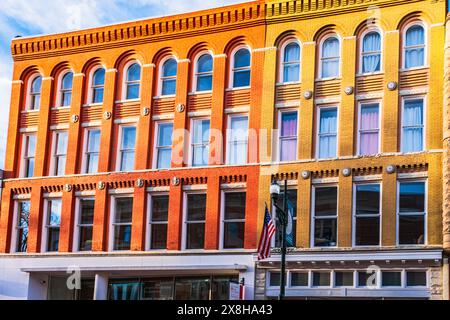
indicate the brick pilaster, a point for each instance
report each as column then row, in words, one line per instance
column 139, row 219
column 101, row 221
column 175, row 221
column 212, row 226
column 35, row 222
column 67, row 222
column 6, row 219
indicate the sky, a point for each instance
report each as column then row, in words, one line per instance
column 29, row 18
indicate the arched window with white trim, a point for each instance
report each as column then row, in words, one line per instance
column 98, row 85
column 204, row 73
column 241, row 70
column 371, row 53
column 290, row 62
column 65, row 91
column 414, row 47
column 330, row 57
column 169, row 72
column 35, row 93
column 133, row 81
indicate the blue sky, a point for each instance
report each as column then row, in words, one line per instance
column 27, row 18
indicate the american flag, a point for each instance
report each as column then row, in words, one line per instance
column 266, row 236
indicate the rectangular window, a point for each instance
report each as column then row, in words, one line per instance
column 164, row 145
column 195, row 221
column 321, row 279
column 367, row 279
column 299, row 279
column 416, row 278
column 234, row 220
column 369, row 129
column 343, row 279
column 200, row 142
column 158, row 221
column 92, row 150
column 52, row 224
column 127, row 148
column 121, row 226
column 237, row 140
column 367, row 215
column 29, row 154
column 325, row 216
column 22, row 224
column 288, row 136
column 85, row 224
column 275, row 278
column 391, row 279
column 412, row 213
column 60, row 153
column 327, row 136
column 413, row 125
column 292, row 196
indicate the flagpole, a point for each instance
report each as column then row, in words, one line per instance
column 283, row 244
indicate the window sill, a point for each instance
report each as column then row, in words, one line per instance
column 130, row 101
column 198, row 93
column 30, row 111
column 282, row 84
column 362, row 75
column 164, row 97
column 237, row 89
column 414, row 69
column 61, row 108
column 328, row 79
column 98, row 104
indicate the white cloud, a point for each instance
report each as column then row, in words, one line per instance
column 25, row 17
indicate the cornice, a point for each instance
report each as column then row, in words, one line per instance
column 245, row 15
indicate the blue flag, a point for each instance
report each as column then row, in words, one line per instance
column 290, row 225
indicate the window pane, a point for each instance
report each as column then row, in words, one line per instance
column 330, row 48
column 93, row 141
column 201, row 131
column 205, row 63
column 165, row 134
column 321, row 279
column 87, row 211
column 170, row 68
column 61, row 147
column 412, row 197
column 134, row 72
column 344, row 279
column 367, row 231
column 53, row 239
column 169, row 87
column 30, row 168
column 66, row 98
column 391, row 279
column 36, row 85
column 411, row 229
column 415, row 36
column 220, row 287
column 299, row 279
column 97, row 95
column 238, row 153
column 368, row 199
column 124, row 290
column 54, row 218
column 195, row 235
column 159, row 237
column 128, row 137
column 127, row 163
column 292, row 52
column 366, row 279
column 204, row 83
column 200, row 156
column 288, row 150
column 371, row 43
column 160, row 208
column 239, row 128
column 414, row 58
column 22, row 226
column 92, row 163
column 416, row 279
column 289, row 124
column 192, row 288
column 124, row 210
column 328, row 121
column 60, row 166
column 67, row 81
column 325, row 201
column 291, row 73
column 292, row 196
column 242, row 58
column 325, row 232
column 235, row 205
column 412, row 139
column 122, row 237
column 274, row 279
column 164, row 159
column 85, row 238
column 157, row 289
column 241, row 79
column 233, row 235
column 369, row 117
column 196, row 207
column 99, row 77
column 31, row 146
column 132, row 91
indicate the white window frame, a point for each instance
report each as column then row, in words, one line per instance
column 321, row 59
column 192, row 144
column 230, row 142
column 91, row 84
column 155, row 142
column 222, row 216
column 112, row 222
column 425, row 46
column 125, row 81
column 60, row 91
column 280, row 138
column 55, row 155
column 161, row 78
column 313, row 213
column 185, row 222
column 45, row 225
column 318, row 135
column 425, row 214
column 361, row 104
column 405, row 278
column 274, row 214
column 232, row 69
column 25, row 157
column 196, row 73
column 355, row 216
column 362, row 53
column 86, row 153
column 282, row 63
column 148, row 234
column 120, row 151
column 424, row 125
column 77, row 224
column 15, row 224
column 30, row 93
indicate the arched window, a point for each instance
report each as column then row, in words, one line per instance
column 133, row 81
column 204, row 73
column 98, row 85
column 35, row 93
column 330, row 59
column 66, row 89
column 414, row 49
column 371, row 53
column 291, row 62
column 241, row 68
column 169, row 77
